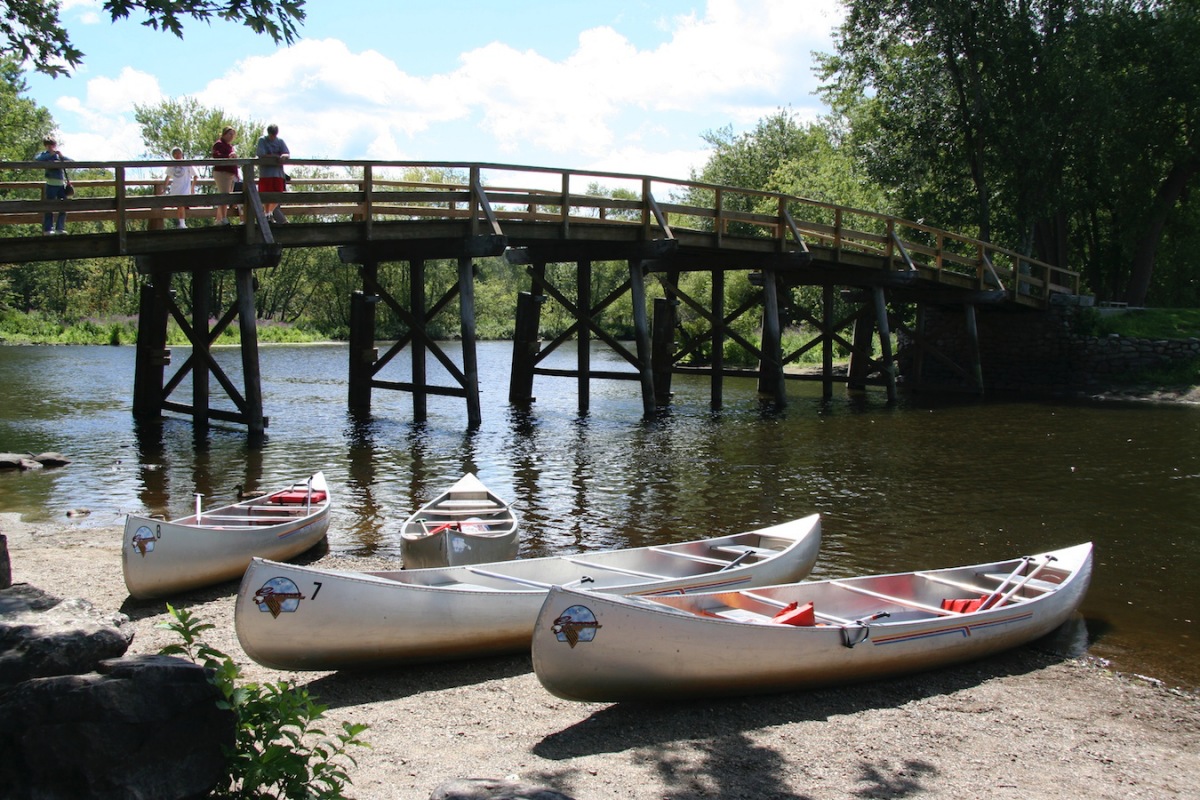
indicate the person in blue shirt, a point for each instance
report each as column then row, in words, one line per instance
column 56, row 186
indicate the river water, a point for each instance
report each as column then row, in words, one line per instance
column 922, row 484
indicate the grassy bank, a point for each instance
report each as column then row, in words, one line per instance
column 35, row 328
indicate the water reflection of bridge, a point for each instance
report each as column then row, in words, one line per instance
column 533, row 216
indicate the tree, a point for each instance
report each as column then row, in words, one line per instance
column 186, row 124
column 32, row 31
column 23, row 122
column 1063, row 128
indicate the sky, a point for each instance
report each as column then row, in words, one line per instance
column 609, row 85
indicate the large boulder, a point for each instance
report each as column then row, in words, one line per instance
column 42, row 635
column 77, row 721
column 144, row 727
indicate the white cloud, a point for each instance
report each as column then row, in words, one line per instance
column 606, row 104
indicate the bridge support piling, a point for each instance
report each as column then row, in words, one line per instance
column 771, row 381
column 663, row 345
column 973, row 340
column 152, row 356
column 362, row 351
column 717, row 380
column 583, row 342
column 248, row 327
column 860, row 356
column 416, row 297
column 466, row 305
column 201, row 356
column 526, row 346
column 885, row 342
column 827, row 334
column 641, row 327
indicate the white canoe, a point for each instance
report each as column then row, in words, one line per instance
column 602, row 648
column 466, row 524
column 160, row 557
column 301, row 618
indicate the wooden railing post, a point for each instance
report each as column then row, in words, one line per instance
column 119, row 191
column 565, row 208
column 368, row 186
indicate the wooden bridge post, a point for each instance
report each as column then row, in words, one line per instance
column 583, row 343
column 416, row 296
column 362, row 341
column 526, row 346
column 973, row 340
column 201, row 294
column 860, row 356
column 770, row 378
column 827, row 323
column 717, row 381
column 641, row 327
column 152, row 355
column 251, row 374
column 661, row 359
column 885, row 342
column 466, row 308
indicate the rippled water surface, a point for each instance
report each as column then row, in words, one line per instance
column 917, row 485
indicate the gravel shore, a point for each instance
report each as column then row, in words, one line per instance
column 1029, row 724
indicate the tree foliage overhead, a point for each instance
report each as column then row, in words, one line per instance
column 184, row 123
column 32, row 31
column 23, row 122
column 1067, row 128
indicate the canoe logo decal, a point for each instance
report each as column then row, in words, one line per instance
column 277, row 596
column 576, row 624
column 142, row 541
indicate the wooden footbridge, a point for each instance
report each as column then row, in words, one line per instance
column 533, row 216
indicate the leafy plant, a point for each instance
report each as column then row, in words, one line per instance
column 279, row 751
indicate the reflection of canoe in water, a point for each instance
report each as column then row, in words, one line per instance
column 595, row 647
column 466, row 524
column 332, row 620
column 159, row 557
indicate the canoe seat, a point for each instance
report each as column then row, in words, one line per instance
column 297, row 497
column 961, row 605
column 743, row 549
column 480, row 503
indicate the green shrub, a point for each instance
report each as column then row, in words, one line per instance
column 279, row 752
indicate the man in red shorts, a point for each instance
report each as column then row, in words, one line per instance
column 274, row 152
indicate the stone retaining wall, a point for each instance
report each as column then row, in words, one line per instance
column 1037, row 352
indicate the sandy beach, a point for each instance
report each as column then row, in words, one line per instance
column 1029, row 724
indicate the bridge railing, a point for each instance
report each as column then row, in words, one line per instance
column 117, row 198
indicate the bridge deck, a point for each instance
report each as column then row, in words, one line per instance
column 535, row 215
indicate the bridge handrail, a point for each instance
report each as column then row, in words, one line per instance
column 484, row 195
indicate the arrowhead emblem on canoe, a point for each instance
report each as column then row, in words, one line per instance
column 277, row 596
column 576, row 624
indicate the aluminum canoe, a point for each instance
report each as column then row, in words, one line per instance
column 304, row 618
column 466, row 524
column 603, row 648
column 160, row 557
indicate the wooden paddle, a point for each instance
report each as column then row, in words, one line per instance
column 991, row 598
column 1033, row 574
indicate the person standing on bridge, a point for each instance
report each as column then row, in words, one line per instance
column 56, row 186
column 224, row 176
column 273, row 151
column 180, row 180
